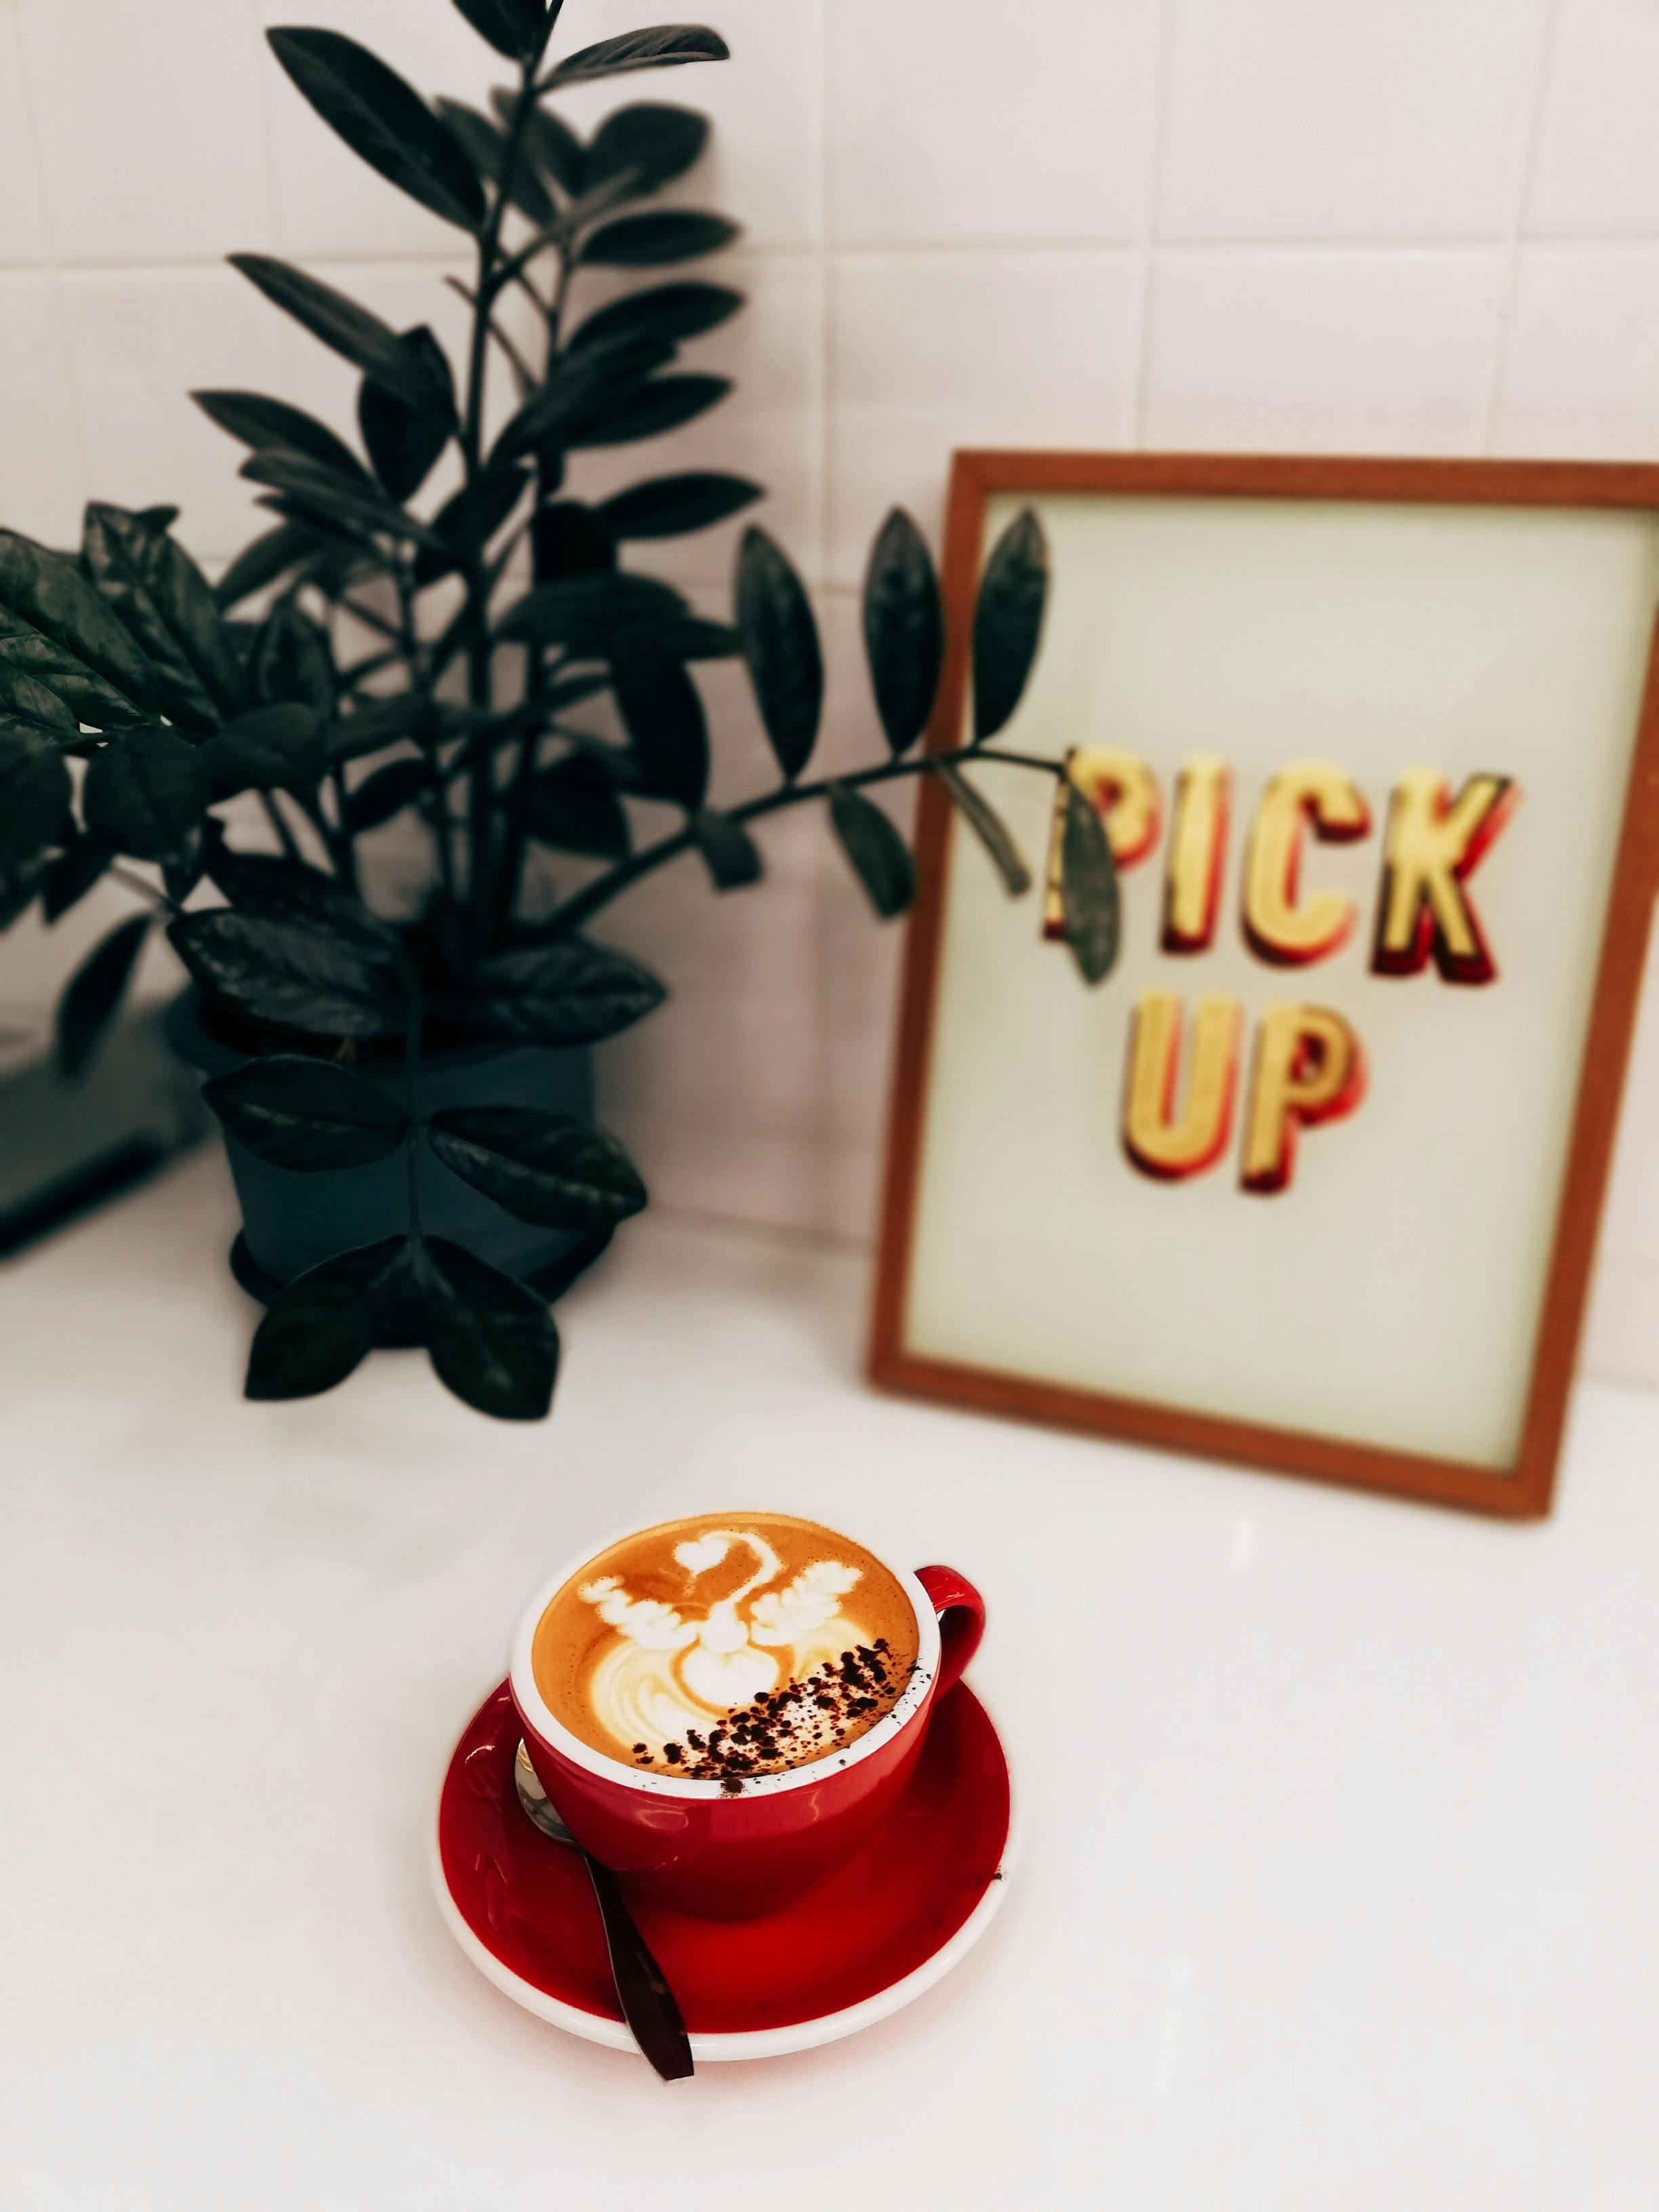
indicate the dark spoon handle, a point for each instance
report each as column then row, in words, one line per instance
column 642, row 1990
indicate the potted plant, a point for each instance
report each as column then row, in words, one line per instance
column 404, row 1097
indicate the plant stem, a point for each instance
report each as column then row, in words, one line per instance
column 344, row 852
column 477, row 623
column 286, row 837
column 369, row 617
column 600, row 892
column 158, row 899
column 437, row 814
column 518, row 805
column 415, row 1022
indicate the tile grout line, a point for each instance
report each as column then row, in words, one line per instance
column 825, row 457
column 1531, row 138
column 1148, row 243
column 267, row 132
column 54, row 271
column 998, row 249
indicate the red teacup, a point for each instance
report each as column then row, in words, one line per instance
column 694, row 1845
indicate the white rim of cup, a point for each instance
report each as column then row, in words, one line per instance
column 533, row 1708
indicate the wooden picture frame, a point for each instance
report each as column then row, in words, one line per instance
column 1522, row 1486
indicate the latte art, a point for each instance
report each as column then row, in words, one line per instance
column 715, row 1650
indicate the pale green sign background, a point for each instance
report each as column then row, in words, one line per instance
column 1390, row 1296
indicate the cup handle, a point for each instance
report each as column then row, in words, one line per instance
column 960, row 1611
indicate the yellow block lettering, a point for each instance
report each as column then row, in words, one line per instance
column 1281, row 926
column 1198, row 846
column 1159, row 1142
column 1429, row 850
column 1308, row 1067
column 1123, row 792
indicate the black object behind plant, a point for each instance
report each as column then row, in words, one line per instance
column 462, row 714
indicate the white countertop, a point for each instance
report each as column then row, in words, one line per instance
column 1340, row 1877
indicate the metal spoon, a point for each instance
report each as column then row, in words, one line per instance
column 642, row 1990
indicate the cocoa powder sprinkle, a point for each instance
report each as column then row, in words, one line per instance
column 802, row 1721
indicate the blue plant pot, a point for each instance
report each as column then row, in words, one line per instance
column 291, row 1221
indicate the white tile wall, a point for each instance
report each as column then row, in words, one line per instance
column 930, row 351
column 1322, row 349
column 1596, row 169
column 1344, row 118
column 140, row 340
column 1029, row 125
column 1390, row 225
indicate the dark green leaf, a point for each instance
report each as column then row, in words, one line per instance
column 596, row 615
column 571, row 690
column 35, row 794
column 1008, row 623
column 376, row 724
column 688, row 639
column 732, row 854
column 569, row 992
column 904, row 630
column 363, row 338
column 270, row 555
column 166, row 603
column 668, row 507
column 292, row 1111
column 780, row 645
column 361, row 508
column 347, row 553
column 94, row 992
column 53, row 624
column 553, row 146
column 490, row 501
column 295, row 973
column 988, row 826
column 19, row 887
column 180, row 877
column 384, row 121
column 591, row 380
column 25, row 697
column 43, row 683
column 1088, row 888
column 260, row 423
column 656, row 141
column 666, row 311
column 666, row 727
column 340, row 562
column 386, row 792
column 646, row 410
column 550, row 1169
column 292, row 662
column 566, row 540
column 513, row 27
column 403, row 442
column 145, row 793
column 79, row 865
column 877, row 853
column 278, row 889
column 158, row 518
column 490, row 1341
column 323, row 1324
column 486, row 146
column 653, row 241
column 574, row 807
column 268, row 748
column 665, row 46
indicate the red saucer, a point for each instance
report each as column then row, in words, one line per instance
column 881, row 1929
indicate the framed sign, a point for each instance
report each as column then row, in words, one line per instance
column 1312, row 1179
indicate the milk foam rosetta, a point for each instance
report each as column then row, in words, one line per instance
column 737, row 1645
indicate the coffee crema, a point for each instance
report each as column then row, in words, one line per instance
column 726, row 1646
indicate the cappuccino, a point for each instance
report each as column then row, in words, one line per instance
column 723, row 1647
